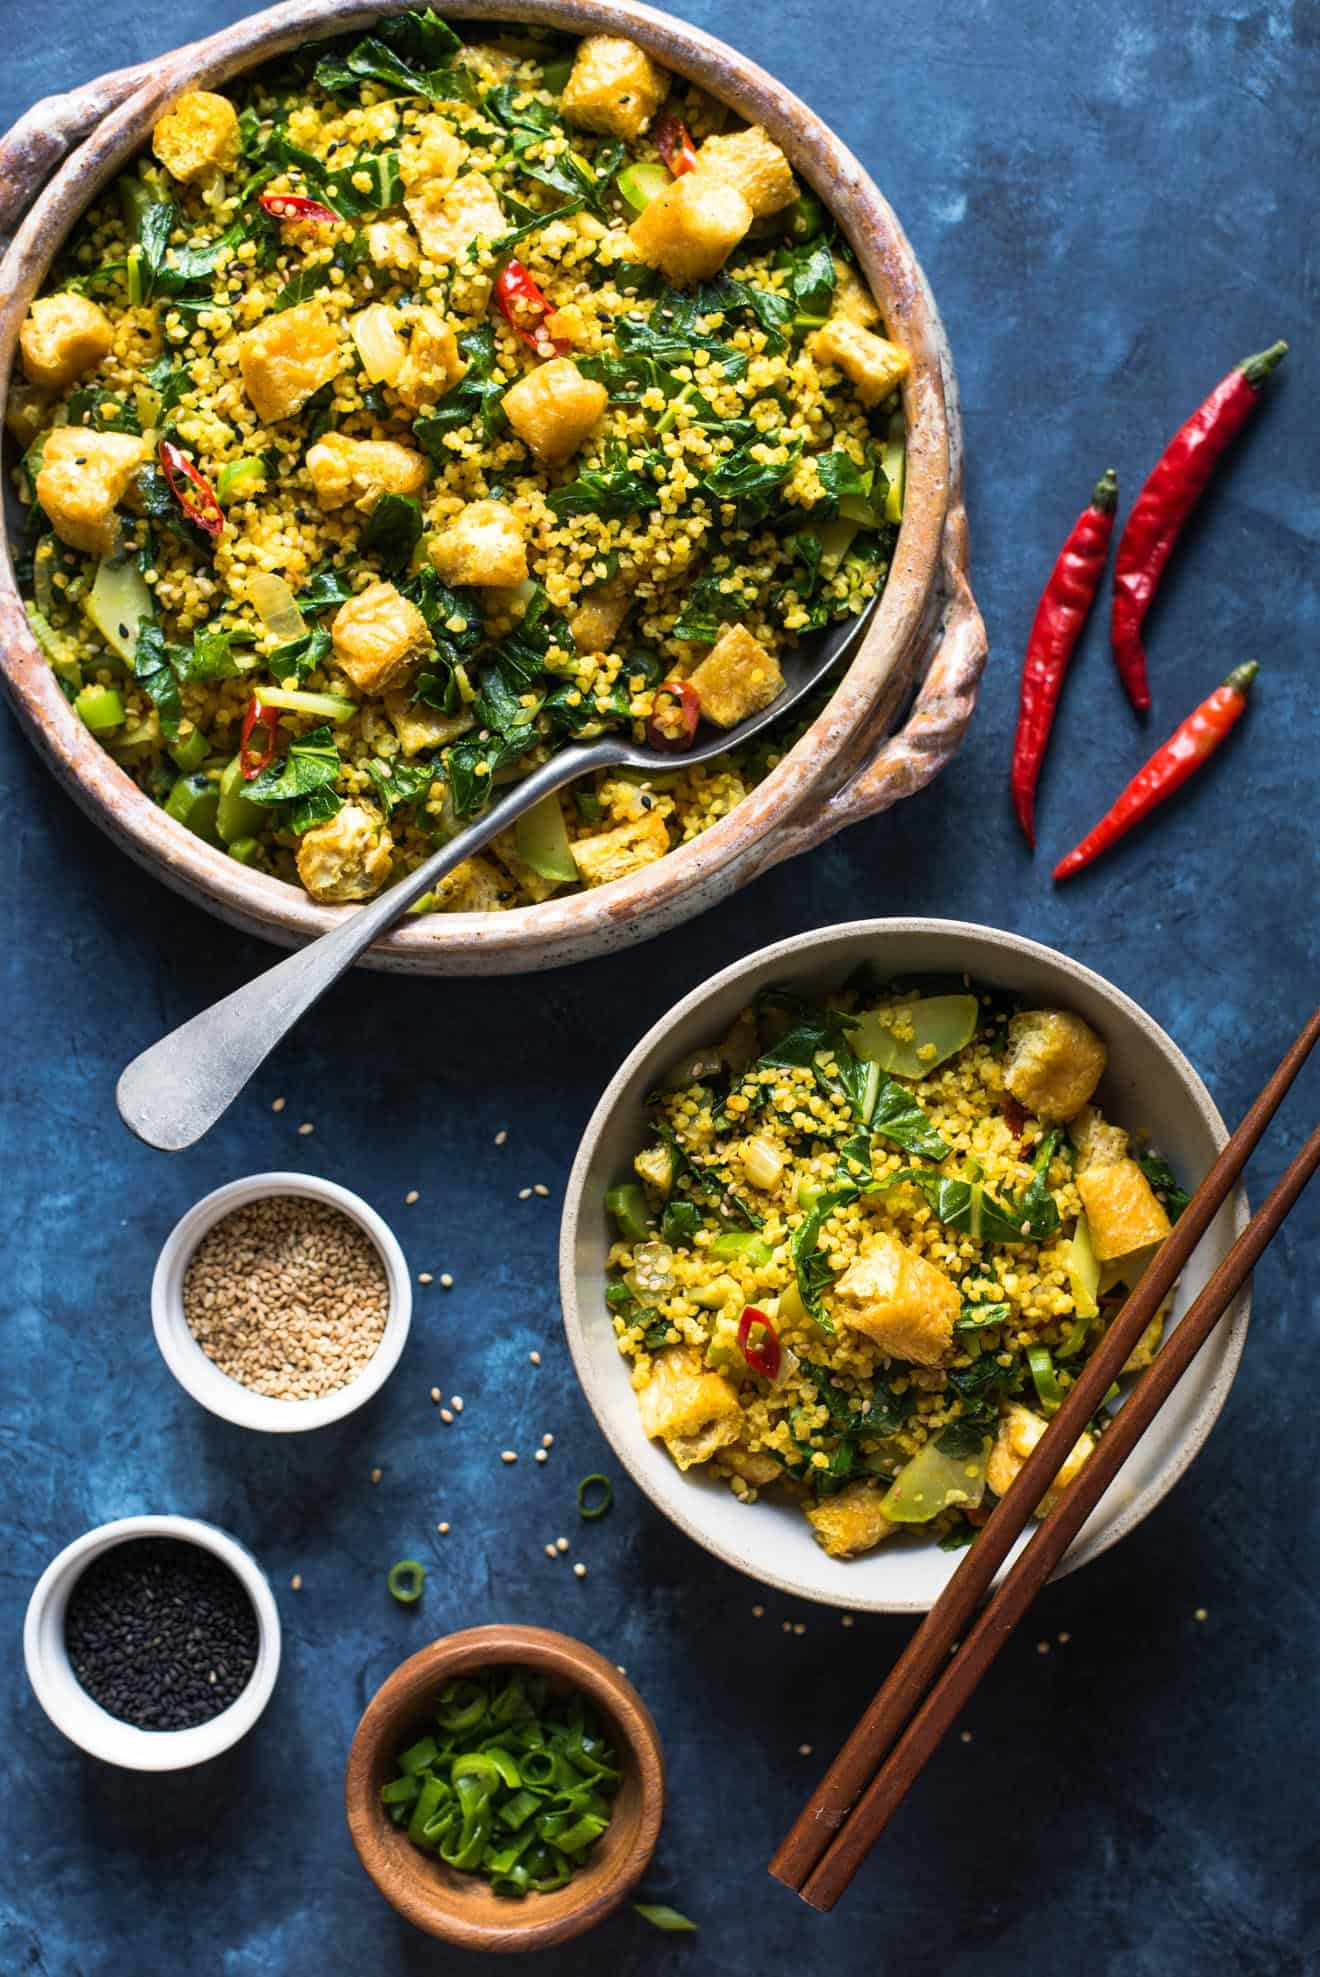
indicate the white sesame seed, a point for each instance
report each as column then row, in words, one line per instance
column 411, row 1196
column 966, row 1736
column 425, row 1277
column 547, row 1441
column 787, row 1626
column 278, row 1105
column 524, row 1194
column 541, row 1455
column 550, row 1552
column 758, row 1613
column 541, row 1189
column 376, row 1475
column 799, row 1626
column 509, row 1455
column 804, row 1750
column 1201, row 1614
column 1064, row 1639
column 579, row 1571
column 443, row 1529
column 561, row 1544
column 435, row 1394
column 446, row 1416
column 622, row 1670
column 306, row 1127
column 501, row 1137
column 295, row 1583
column 846, row 1621
column 456, row 1402
column 535, row 1358
column 1042, row 1647
column 446, row 1281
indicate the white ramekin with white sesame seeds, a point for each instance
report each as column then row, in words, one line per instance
column 226, row 1395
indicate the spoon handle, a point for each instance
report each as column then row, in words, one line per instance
column 176, row 1090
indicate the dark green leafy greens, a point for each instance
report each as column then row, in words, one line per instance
column 304, row 781
column 394, row 528
column 1030, row 1215
column 1165, row 1183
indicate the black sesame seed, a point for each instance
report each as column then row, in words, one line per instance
column 161, row 1633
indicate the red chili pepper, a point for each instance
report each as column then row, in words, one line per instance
column 688, row 711
column 673, row 140
column 267, row 718
column 766, row 1358
column 1181, row 756
column 523, row 306
column 293, row 206
column 1177, row 482
column 194, row 494
column 1060, row 615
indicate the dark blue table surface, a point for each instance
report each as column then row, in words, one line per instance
column 1112, row 205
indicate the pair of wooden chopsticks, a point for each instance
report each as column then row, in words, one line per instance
column 928, row 1685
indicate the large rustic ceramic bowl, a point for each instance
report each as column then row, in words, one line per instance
column 1149, row 1086
column 924, row 643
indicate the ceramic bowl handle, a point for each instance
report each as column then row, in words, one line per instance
column 45, row 135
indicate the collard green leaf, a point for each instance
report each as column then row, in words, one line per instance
column 326, row 589
column 311, row 764
column 156, row 676
column 394, row 528
column 1165, row 1183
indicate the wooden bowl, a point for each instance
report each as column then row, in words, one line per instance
column 460, row 1907
column 902, row 707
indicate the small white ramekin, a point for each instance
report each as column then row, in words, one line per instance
column 203, row 1379
column 82, row 1720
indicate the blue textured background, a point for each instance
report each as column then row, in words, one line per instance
column 1113, row 204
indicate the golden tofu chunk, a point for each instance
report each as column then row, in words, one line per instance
column 378, row 637
column 63, row 336
column 286, row 358
column 553, row 408
column 419, row 726
column 615, row 88
column 737, row 677
column 435, row 156
column 595, row 624
column 690, row 229
column 84, row 476
column 613, row 854
column 853, row 300
column 752, row 162
column 198, row 135
column 1122, row 1208
column 691, row 1410
column 484, row 544
column 347, row 857
column 1019, row 1431
column 475, row 886
column 1054, row 1063
column 361, row 470
column 871, row 364
column 852, row 1521
column 432, row 365
column 898, row 1299
column 1098, row 1144
column 448, row 218
column 751, row 1465
column 392, row 244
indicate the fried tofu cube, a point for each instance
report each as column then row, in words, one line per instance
column 595, row 623
column 63, row 336
column 432, row 366
column 754, row 163
column 654, row 1166
column 449, row 218
column 434, row 156
column 1054, row 1063
column 613, row 854
column 286, row 358
column 378, row 637
column 691, row 1410
column 347, row 857
column 361, row 470
column 737, row 677
column 751, row 1465
column 852, row 1521
column 392, row 244
column 615, row 88
column 553, row 408
column 1019, row 1431
column 484, row 544
column 872, row 364
column 690, row 229
column 898, row 1299
column 1097, row 1143
column 1122, row 1208
column 853, row 300
column 84, row 475
column 475, row 886
column 197, row 136
column 419, row 726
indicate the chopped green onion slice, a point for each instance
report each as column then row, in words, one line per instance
column 1044, row 1378
column 604, row 1496
column 406, row 1580
column 661, row 1917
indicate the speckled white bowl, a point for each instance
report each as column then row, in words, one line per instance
column 1148, row 1086
column 82, row 1720
column 203, row 1379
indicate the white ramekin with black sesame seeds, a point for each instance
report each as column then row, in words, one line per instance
column 336, row 1359
column 79, row 1716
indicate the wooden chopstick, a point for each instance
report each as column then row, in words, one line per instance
column 926, row 1655
column 1033, row 1566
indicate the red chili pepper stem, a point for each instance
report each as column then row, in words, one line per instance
column 1190, row 744
column 1174, row 486
column 1060, row 616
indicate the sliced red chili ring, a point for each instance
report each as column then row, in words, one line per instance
column 766, row 1356
column 524, row 308
column 267, row 719
column 673, row 140
column 677, row 732
column 294, row 206
column 191, row 490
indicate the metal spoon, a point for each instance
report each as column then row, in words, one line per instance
column 176, row 1090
